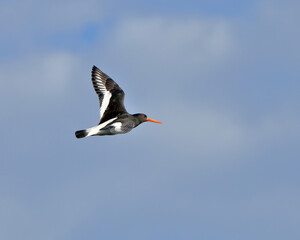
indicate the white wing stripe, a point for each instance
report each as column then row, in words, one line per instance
column 105, row 102
column 106, row 95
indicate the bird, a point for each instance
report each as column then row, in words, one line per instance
column 114, row 118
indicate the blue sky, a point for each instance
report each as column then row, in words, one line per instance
column 223, row 77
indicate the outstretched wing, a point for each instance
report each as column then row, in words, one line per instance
column 111, row 96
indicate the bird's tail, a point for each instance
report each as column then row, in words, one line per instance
column 94, row 131
column 81, row 133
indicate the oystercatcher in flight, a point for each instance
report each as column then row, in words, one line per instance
column 114, row 119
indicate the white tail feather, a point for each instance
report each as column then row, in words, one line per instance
column 94, row 130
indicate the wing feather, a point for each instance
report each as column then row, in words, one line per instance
column 111, row 96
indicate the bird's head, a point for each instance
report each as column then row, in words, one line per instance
column 143, row 118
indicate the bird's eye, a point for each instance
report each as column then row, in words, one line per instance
column 143, row 116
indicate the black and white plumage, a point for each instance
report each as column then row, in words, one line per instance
column 114, row 119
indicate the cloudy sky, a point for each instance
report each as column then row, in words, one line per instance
column 223, row 77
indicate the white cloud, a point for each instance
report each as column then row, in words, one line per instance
column 205, row 132
column 30, row 25
column 49, row 16
column 170, row 46
column 39, row 75
column 220, row 136
column 282, row 14
column 174, row 54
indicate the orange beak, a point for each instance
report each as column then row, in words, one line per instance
column 151, row 120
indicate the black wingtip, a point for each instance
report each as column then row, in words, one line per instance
column 81, row 133
column 95, row 68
